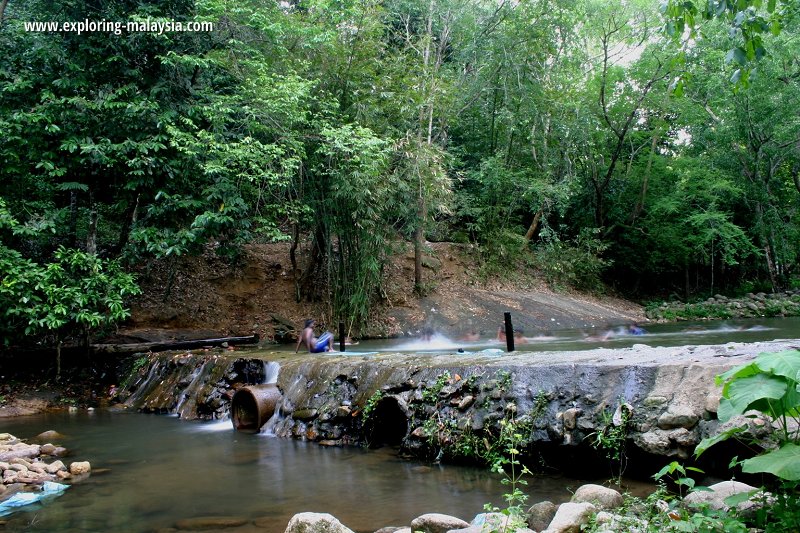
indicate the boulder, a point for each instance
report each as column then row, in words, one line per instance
column 79, row 468
column 603, row 497
column 678, row 416
column 541, row 514
column 492, row 521
column 315, row 523
column 48, row 436
column 55, row 467
column 570, row 517
column 437, row 523
column 612, row 523
column 715, row 498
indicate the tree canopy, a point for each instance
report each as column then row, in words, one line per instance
column 604, row 145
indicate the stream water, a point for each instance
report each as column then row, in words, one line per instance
column 150, row 472
column 672, row 334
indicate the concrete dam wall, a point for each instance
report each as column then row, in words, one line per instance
column 450, row 406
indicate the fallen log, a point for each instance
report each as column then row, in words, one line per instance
column 171, row 345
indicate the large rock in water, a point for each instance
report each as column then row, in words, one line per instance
column 315, row 523
column 437, row 523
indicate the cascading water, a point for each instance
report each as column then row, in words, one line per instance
column 271, row 369
column 191, row 385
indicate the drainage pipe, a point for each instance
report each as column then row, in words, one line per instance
column 253, row 405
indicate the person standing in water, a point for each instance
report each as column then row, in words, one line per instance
column 323, row 343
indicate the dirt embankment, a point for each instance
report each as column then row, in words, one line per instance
column 208, row 297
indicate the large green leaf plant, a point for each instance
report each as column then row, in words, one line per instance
column 770, row 385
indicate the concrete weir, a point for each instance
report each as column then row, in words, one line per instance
column 451, row 405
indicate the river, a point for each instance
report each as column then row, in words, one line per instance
column 152, row 471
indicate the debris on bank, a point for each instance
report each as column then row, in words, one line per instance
column 33, row 472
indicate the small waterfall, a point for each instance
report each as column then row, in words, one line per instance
column 188, row 385
column 271, row 369
column 143, row 386
column 189, row 394
column 269, row 428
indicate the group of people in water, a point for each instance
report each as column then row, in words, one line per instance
column 324, row 343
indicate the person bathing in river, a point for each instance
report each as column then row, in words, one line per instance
column 634, row 329
column 471, row 335
column 519, row 335
column 315, row 345
column 501, row 333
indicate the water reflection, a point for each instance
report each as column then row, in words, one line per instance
column 152, row 471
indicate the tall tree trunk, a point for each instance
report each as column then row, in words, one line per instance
column 129, row 218
column 73, row 219
column 58, row 358
column 3, row 5
column 637, row 209
column 769, row 251
column 687, row 281
column 293, row 261
column 534, row 226
column 419, row 243
column 91, row 236
column 425, row 127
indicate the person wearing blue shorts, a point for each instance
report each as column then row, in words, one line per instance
column 315, row 345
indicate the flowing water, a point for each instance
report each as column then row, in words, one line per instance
column 150, row 472
column 672, row 334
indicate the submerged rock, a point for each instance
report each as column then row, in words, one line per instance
column 202, row 523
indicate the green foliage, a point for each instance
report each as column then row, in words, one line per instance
column 769, row 384
column 578, row 264
column 371, row 405
column 612, row 437
column 75, row 292
column 513, row 472
column 749, row 21
column 678, row 474
column 431, row 393
column 779, row 511
column 345, row 127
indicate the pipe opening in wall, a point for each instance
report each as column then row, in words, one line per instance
column 389, row 423
column 253, row 405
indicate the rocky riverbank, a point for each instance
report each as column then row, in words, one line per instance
column 752, row 305
column 30, row 471
column 592, row 508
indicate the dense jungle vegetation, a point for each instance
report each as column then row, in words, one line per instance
column 650, row 148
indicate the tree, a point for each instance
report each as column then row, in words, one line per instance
column 76, row 293
column 747, row 20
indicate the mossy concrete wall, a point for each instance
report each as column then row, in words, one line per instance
column 451, row 406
